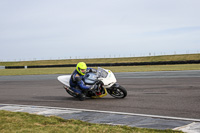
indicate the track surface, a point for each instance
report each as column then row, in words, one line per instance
column 174, row 94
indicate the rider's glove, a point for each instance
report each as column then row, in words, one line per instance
column 91, row 70
column 94, row 70
column 93, row 87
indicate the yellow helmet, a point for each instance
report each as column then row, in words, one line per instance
column 81, row 68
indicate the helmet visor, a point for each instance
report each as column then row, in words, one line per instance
column 83, row 70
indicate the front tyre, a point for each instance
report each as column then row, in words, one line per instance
column 118, row 92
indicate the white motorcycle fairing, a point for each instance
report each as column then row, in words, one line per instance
column 64, row 79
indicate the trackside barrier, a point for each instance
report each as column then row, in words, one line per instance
column 110, row 64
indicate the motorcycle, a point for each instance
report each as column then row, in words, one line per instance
column 104, row 80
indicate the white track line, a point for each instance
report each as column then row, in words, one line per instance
column 111, row 112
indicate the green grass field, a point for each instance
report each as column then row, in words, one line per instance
column 17, row 122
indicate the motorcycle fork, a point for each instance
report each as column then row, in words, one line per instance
column 99, row 90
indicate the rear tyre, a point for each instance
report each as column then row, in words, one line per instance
column 118, row 92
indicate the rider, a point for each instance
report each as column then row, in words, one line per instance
column 76, row 81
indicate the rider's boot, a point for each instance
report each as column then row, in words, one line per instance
column 81, row 97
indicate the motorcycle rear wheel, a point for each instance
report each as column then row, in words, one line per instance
column 118, row 92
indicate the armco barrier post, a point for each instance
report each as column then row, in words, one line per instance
column 2, row 67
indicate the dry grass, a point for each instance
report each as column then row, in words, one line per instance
column 106, row 60
column 69, row 70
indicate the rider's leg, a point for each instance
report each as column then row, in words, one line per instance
column 76, row 90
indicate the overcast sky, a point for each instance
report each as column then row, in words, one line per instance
column 52, row 29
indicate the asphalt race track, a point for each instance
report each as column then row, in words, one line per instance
column 175, row 94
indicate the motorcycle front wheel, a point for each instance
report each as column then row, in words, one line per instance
column 117, row 92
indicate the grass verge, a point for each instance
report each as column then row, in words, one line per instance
column 69, row 70
column 12, row 122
